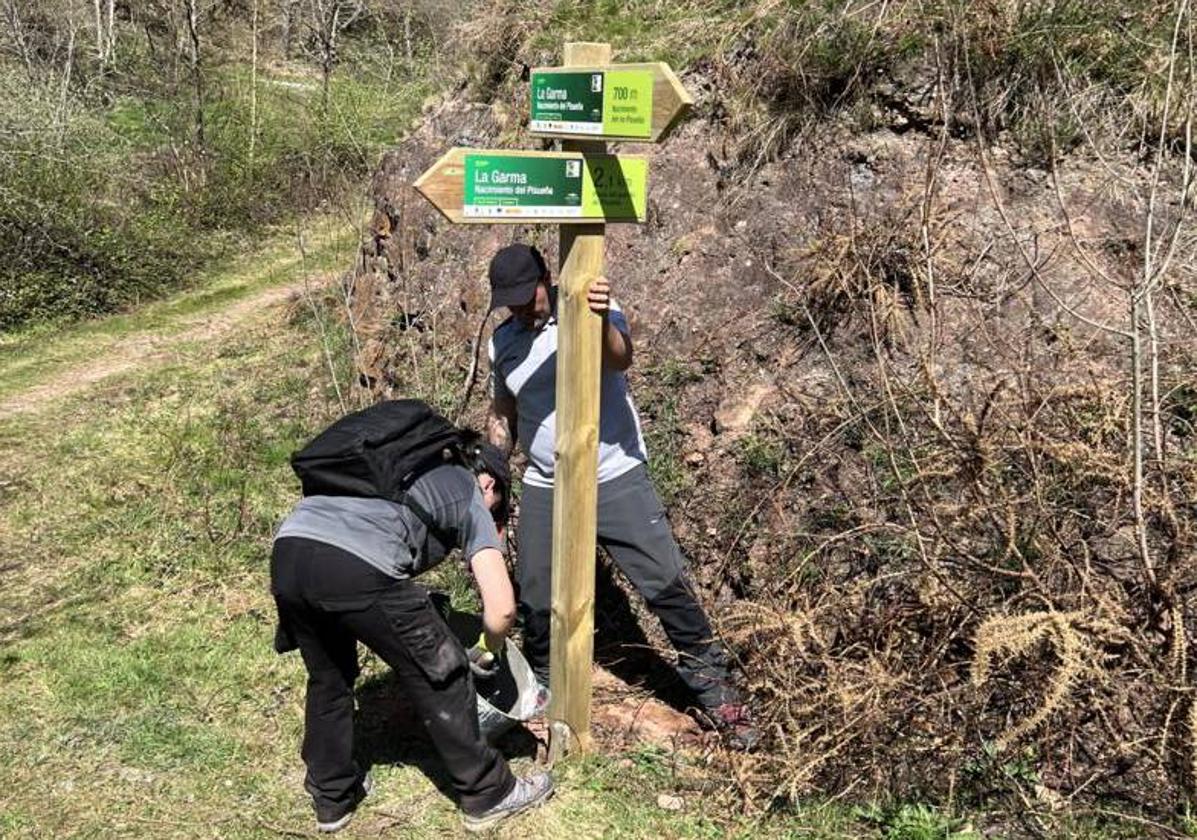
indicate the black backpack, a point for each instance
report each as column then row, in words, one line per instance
column 379, row 451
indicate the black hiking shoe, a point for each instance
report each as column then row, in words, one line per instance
column 330, row 820
column 734, row 722
column 528, row 793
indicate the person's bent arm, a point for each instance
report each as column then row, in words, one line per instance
column 617, row 348
column 498, row 598
column 501, row 422
column 617, row 345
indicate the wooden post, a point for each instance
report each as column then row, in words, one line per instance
column 585, row 102
column 575, row 496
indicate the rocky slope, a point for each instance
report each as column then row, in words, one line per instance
column 887, row 382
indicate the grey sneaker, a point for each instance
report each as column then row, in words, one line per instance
column 528, row 793
column 327, row 823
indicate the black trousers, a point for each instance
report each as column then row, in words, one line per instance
column 633, row 527
column 328, row 600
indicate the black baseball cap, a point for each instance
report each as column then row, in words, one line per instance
column 514, row 272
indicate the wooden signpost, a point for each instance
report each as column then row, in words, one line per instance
column 581, row 188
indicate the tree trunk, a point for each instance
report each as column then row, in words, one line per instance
column 177, row 40
column 110, row 34
column 290, row 7
column 99, row 33
column 253, row 95
column 64, row 97
column 330, row 25
column 197, row 75
column 149, row 42
column 407, row 34
column 18, row 34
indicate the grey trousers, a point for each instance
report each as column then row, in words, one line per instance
column 634, row 529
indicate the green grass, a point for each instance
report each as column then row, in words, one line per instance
column 761, row 453
column 666, row 443
column 917, row 822
column 676, row 33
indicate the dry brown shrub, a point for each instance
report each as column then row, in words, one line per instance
column 868, row 273
column 1071, row 637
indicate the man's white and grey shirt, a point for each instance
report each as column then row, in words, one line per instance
column 523, row 365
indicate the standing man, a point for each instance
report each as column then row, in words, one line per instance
column 632, row 524
column 343, row 571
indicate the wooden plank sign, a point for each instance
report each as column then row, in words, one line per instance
column 488, row 186
column 613, row 102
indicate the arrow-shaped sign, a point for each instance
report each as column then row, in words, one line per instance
column 616, row 102
column 485, row 186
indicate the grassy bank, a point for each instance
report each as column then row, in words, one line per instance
column 45, row 351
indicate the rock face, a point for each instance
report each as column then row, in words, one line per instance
column 412, row 287
column 886, row 384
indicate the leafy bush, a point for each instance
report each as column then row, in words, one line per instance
column 72, row 247
column 110, row 196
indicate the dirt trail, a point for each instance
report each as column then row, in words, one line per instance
column 143, row 350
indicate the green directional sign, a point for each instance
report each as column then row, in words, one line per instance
column 507, row 185
column 494, row 186
column 568, row 101
column 593, row 102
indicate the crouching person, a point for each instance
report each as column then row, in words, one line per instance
column 343, row 570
